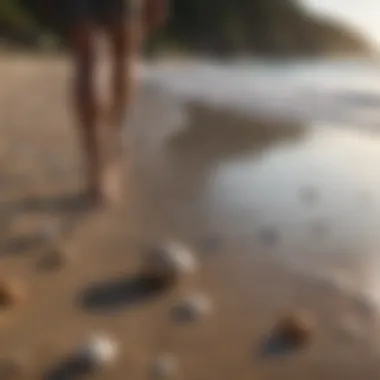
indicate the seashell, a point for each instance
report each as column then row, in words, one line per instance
column 193, row 308
column 97, row 351
column 169, row 264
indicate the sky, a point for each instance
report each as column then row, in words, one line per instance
column 364, row 14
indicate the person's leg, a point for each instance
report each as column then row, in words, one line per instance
column 127, row 23
column 121, row 27
column 82, row 41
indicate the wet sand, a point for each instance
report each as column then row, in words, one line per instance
column 280, row 219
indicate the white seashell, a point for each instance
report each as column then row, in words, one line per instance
column 170, row 261
column 165, row 366
column 193, row 307
column 99, row 350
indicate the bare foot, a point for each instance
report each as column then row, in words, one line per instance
column 113, row 158
column 112, row 182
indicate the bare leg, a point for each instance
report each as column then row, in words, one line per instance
column 124, row 44
column 82, row 42
column 124, row 40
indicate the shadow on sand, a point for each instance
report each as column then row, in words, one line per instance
column 275, row 345
column 119, row 293
column 70, row 369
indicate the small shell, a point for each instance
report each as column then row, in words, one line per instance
column 193, row 308
column 98, row 351
column 169, row 263
column 165, row 366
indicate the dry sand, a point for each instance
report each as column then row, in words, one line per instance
column 226, row 188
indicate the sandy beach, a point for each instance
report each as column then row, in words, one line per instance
column 281, row 220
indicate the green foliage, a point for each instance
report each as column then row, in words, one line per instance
column 13, row 15
column 271, row 27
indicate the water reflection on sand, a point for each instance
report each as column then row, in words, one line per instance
column 304, row 195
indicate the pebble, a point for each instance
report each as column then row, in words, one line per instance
column 296, row 328
column 165, row 366
column 169, row 264
column 193, row 308
column 97, row 351
column 10, row 293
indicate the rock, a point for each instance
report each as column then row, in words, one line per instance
column 165, row 366
column 169, row 264
column 11, row 292
column 296, row 328
column 97, row 351
column 193, row 308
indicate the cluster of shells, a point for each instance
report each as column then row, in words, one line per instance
column 166, row 266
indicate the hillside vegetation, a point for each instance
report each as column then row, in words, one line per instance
column 225, row 27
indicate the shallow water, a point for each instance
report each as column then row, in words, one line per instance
column 307, row 189
column 343, row 91
column 320, row 194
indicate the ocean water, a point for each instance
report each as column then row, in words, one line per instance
column 342, row 91
column 337, row 105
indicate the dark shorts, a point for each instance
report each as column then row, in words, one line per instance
column 100, row 12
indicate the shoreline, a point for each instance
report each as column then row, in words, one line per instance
column 267, row 210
